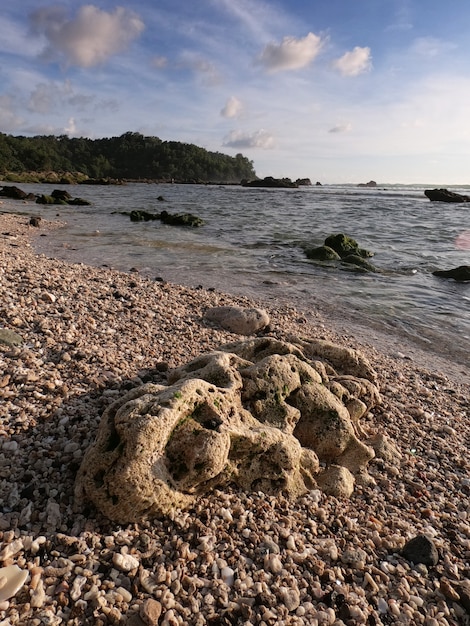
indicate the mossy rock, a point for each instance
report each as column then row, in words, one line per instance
column 181, row 219
column 322, row 253
column 345, row 246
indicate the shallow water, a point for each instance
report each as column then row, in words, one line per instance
column 253, row 242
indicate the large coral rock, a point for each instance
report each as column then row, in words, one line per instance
column 260, row 414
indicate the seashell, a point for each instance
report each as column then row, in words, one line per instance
column 12, row 578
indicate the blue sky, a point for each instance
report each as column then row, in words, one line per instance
column 333, row 90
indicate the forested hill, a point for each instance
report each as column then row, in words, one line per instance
column 130, row 156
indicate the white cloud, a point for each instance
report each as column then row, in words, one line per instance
column 88, row 40
column 233, row 108
column 291, row 53
column 354, row 62
column 341, row 128
column 259, row 139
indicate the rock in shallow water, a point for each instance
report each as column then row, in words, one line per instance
column 256, row 414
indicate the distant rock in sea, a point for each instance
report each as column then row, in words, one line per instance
column 444, row 195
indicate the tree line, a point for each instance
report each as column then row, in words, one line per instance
column 131, row 156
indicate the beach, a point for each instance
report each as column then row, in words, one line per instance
column 89, row 334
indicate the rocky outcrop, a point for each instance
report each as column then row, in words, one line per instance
column 269, row 181
column 265, row 415
column 460, row 274
column 239, row 320
column 371, row 183
column 444, row 195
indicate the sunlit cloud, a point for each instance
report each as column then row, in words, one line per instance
column 354, row 62
column 291, row 53
column 89, row 39
column 259, row 139
column 233, row 108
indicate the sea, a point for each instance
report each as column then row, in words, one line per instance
column 253, row 243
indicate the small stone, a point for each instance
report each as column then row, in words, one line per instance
column 48, row 297
column 290, row 597
column 125, row 562
column 10, row 338
column 273, row 563
column 239, row 320
column 150, row 612
column 354, row 558
column 421, row 549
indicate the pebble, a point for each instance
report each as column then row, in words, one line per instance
column 125, row 562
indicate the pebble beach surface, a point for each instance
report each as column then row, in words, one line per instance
column 89, row 334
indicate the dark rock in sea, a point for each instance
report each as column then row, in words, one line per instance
column 318, row 184
column 35, row 221
column 371, row 183
column 345, row 246
column 45, row 199
column 420, row 549
column 444, row 195
column 460, row 274
column 174, row 219
column 269, row 181
column 322, row 253
column 15, row 193
column 359, row 263
column 78, row 202
column 303, row 182
column 61, row 194
column 181, row 219
column 143, row 216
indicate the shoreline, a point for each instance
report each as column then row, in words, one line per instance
column 89, row 332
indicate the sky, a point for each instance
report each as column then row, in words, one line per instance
column 339, row 91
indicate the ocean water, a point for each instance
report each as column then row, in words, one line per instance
column 253, row 240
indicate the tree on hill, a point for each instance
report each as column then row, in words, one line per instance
column 130, row 156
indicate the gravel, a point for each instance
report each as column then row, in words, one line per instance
column 88, row 335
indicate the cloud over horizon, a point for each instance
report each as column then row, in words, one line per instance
column 241, row 140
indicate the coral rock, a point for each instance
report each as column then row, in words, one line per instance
column 256, row 414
